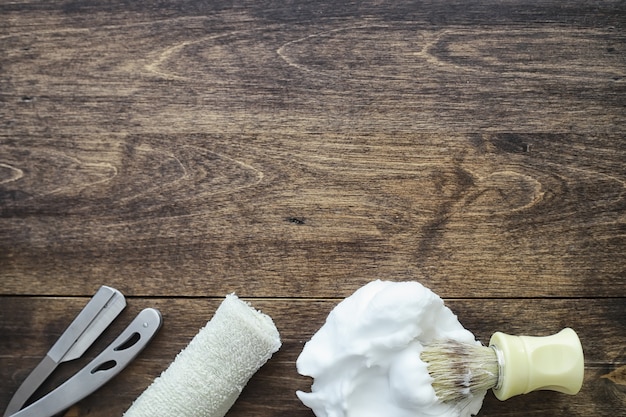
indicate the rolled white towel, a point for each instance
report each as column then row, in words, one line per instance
column 208, row 375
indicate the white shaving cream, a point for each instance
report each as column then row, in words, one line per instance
column 365, row 360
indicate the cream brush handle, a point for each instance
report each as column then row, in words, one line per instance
column 530, row 363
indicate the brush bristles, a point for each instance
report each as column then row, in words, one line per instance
column 460, row 371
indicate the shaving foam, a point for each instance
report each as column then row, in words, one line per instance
column 365, row 360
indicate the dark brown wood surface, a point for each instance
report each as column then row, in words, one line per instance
column 291, row 152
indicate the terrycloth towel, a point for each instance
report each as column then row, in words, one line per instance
column 208, row 375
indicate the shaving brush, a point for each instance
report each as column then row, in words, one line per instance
column 510, row 365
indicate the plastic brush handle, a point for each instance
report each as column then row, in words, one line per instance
column 538, row 363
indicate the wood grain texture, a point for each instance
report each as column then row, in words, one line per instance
column 294, row 151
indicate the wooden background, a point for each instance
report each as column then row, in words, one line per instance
column 293, row 151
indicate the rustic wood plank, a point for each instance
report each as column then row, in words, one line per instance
column 233, row 71
column 283, row 216
column 30, row 326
